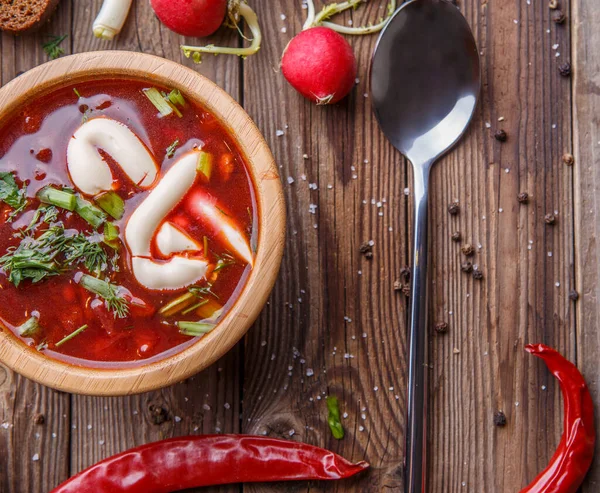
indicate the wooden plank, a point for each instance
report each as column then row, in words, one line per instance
column 208, row 402
column 34, row 420
column 480, row 367
column 586, row 144
column 334, row 324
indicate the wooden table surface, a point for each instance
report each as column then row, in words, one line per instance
column 334, row 324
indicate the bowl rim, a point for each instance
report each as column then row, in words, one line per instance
column 68, row 377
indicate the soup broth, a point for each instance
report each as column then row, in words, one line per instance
column 127, row 222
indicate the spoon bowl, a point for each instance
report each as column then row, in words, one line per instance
column 425, row 80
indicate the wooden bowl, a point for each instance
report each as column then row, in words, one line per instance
column 271, row 212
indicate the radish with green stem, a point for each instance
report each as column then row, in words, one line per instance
column 320, row 65
column 319, row 62
column 236, row 10
column 197, row 18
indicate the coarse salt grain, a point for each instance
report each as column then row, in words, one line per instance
column 279, row 132
column 35, row 457
column 309, row 372
column 177, row 419
column 290, row 180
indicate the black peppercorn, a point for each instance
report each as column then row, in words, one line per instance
column 550, row 219
column 397, row 285
column 559, row 17
column 158, row 414
column 500, row 419
column 523, row 197
column 456, row 236
column 477, row 274
column 466, row 267
column 573, row 295
column 568, row 159
column 454, row 208
column 369, row 255
column 565, row 69
column 553, row 4
column 441, row 327
column 468, row 250
column 39, row 419
column 365, row 248
column 406, row 290
column 500, row 135
column 405, row 273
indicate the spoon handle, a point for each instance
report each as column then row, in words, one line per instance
column 416, row 434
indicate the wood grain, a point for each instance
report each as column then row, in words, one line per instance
column 334, row 325
column 586, row 149
column 480, row 366
column 266, row 381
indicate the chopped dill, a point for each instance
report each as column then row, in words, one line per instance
column 52, row 47
column 171, row 149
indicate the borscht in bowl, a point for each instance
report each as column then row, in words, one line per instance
column 129, row 221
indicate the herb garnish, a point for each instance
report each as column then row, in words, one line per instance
column 51, row 253
column 110, row 292
column 11, row 194
column 225, row 260
column 200, row 291
column 71, row 335
column 52, row 48
column 76, row 93
column 171, row 149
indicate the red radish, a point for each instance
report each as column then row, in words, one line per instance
column 196, row 18
column 320, row 65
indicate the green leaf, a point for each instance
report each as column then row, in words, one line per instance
column 52, row 48
column 11, row 194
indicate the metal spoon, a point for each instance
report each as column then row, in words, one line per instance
column 425, row 80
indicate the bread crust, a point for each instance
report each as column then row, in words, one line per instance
column 19, row 23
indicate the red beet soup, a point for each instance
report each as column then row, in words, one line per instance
column 128, row 222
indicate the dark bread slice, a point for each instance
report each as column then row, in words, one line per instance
column 19, row 16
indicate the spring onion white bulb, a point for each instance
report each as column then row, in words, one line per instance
column 111, row 18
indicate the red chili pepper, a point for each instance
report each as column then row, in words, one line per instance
column 574, row 454
column 188, row 462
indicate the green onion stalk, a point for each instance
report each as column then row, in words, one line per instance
column 321, row 19
column 236, row 10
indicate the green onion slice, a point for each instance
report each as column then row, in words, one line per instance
column 194, row 329
column 111, row 203
column 89, row 212
column 59, row 198
column 30, row 327
column 333, row 418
